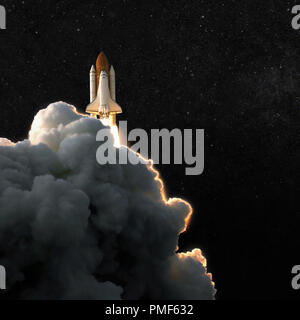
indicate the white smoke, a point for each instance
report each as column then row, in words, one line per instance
column 72, row 229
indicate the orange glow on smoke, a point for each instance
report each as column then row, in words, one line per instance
column 196, row 254
column 171, row 201
column 81, row 114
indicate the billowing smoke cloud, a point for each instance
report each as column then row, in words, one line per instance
column 72, row 229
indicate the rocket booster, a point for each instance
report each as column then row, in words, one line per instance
column 93, row 84
column 112, row 83
column 103, row 91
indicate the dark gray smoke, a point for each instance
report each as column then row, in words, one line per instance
column 72, row 229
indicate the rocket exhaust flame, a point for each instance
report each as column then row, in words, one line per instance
column 115, row 133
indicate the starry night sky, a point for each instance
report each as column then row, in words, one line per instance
column 229, row 67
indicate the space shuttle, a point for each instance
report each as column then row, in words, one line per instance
column 103, row 92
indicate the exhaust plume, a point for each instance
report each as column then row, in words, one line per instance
column 72, row 229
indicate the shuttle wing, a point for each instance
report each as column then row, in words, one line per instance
column 114, row 107
column 93, row 107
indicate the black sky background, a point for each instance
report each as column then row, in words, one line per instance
column 229, row 67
